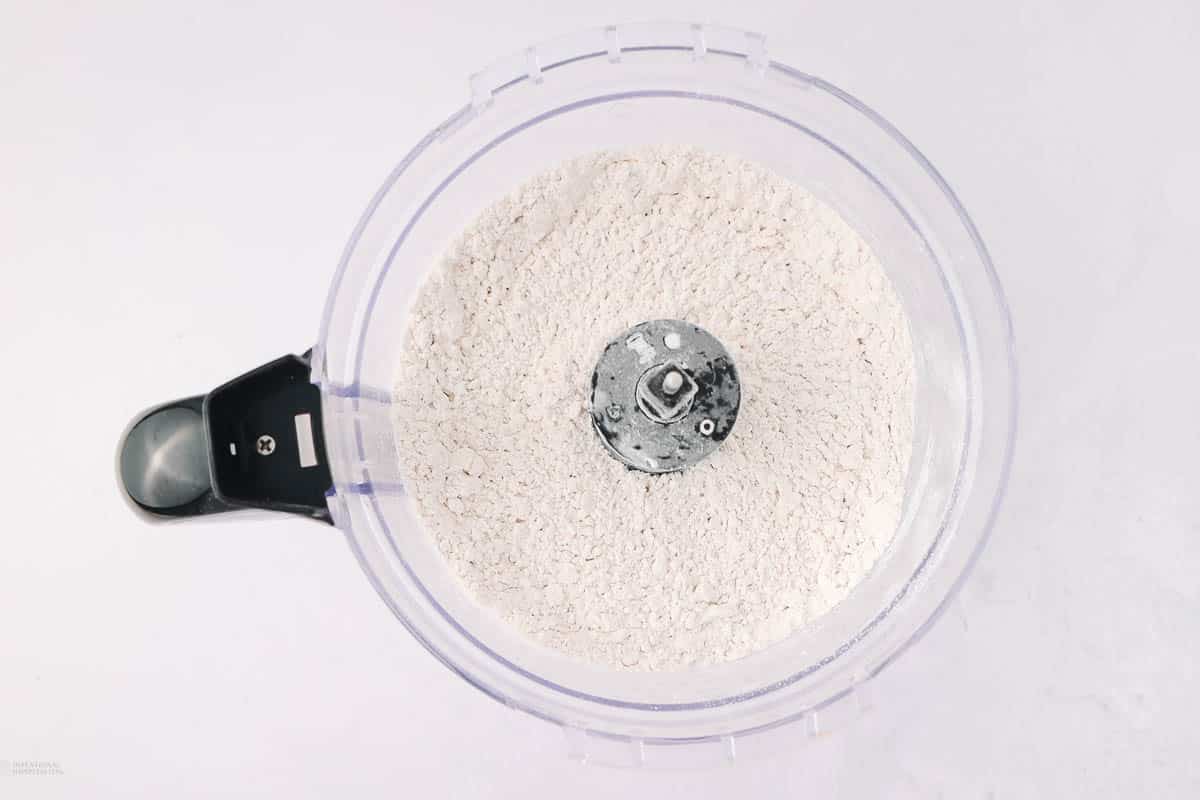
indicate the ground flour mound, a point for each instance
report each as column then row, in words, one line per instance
column 617, row 567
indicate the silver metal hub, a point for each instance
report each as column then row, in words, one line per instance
column 665, row 394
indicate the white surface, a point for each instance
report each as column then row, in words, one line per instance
column 177, row 184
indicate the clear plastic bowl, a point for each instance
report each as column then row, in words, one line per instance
column 713, row 87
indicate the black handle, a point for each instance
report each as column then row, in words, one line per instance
column 254, row 442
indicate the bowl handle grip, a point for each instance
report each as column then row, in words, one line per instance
column 254, row 442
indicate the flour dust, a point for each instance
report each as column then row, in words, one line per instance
column 621, row 568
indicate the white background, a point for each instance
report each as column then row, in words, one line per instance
column 176, row 183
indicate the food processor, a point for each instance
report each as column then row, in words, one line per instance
column 312, row 434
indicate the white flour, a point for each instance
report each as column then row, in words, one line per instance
column 624, row 568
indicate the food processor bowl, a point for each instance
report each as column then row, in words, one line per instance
column 716, row 88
